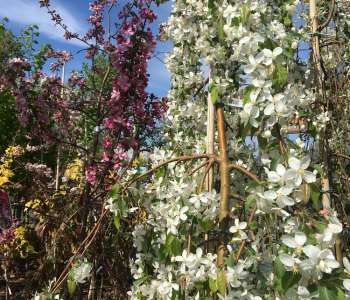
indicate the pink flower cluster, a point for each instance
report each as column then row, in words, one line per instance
column 56, row 112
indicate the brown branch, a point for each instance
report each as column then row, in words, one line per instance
column 58, row 284
column 196, row 169
column 188, row 253
column 341, row 155
column 244, row 241
column 280, row 142
column 319, row 28
column 238, row 197
column 201, row 87
column 207, row 241
column 244, row 171
column 177, row 159
column 268, row 234
column 97, row 225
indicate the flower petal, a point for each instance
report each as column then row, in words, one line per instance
column 289, row 241
column 305, row 162
column 287, row 260
column 309, row 176
column 294, row 163
column 300, row 238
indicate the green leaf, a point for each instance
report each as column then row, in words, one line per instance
column 279, row 75
column 279, row 267
column 246, row 130
column 169, row 239
column 253, row 130
column 210, row 86
column 312, row 288
column 139, row 280
column 315, row 194
column 289, row 279
column 249, row 202
column 272, row 145
column 326, row 294
column 245, row 13
column 319, row 226
column 337, row 291
column 162, row 252
column 293, row 145
column 205, row 225
column 214, row 94
column 275, row 162
column 278, row 285
column 236, row 21
column 116, row 222
column 252, row 186
column 317, row 167
column 176, row 246
column 289, row 52
column 160, row 173
column 71, row 287
column 247, row 98
column 248, row 89
column 306, row 192
column 270, row 44
column 198, row 285
column 212, row 285
column 250, row 251
column 71, row 275
column 221, row 282
column 122, row 206
column 114, row 191
column 221, row 32
column 211, row 4
column 254, row 225
column 287, row 18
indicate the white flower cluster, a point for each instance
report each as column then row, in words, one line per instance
column 252, row 42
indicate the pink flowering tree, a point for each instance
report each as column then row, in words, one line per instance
column 93, row 128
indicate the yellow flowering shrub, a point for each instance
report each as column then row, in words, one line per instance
column 137, row 162
column 32, row 204
column 20, row 246
column 5, row 167
column 74, row 170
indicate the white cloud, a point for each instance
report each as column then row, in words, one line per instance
column 28, row 12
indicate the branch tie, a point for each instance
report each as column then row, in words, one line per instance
column 327, row 192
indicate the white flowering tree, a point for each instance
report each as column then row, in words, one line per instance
column 273, row 223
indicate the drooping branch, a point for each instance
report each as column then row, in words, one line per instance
column 238, row 197
column 329, row 18
column 175, row 159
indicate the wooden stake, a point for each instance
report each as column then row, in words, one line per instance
column 319, row 91
column 210, row 135
column 209, row 247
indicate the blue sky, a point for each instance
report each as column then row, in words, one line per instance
column 74, row 13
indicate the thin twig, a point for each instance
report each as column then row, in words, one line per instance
column 211, row 162
column 244, row 241
column 196, row 169
column 188, row 253
column 238, row 197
